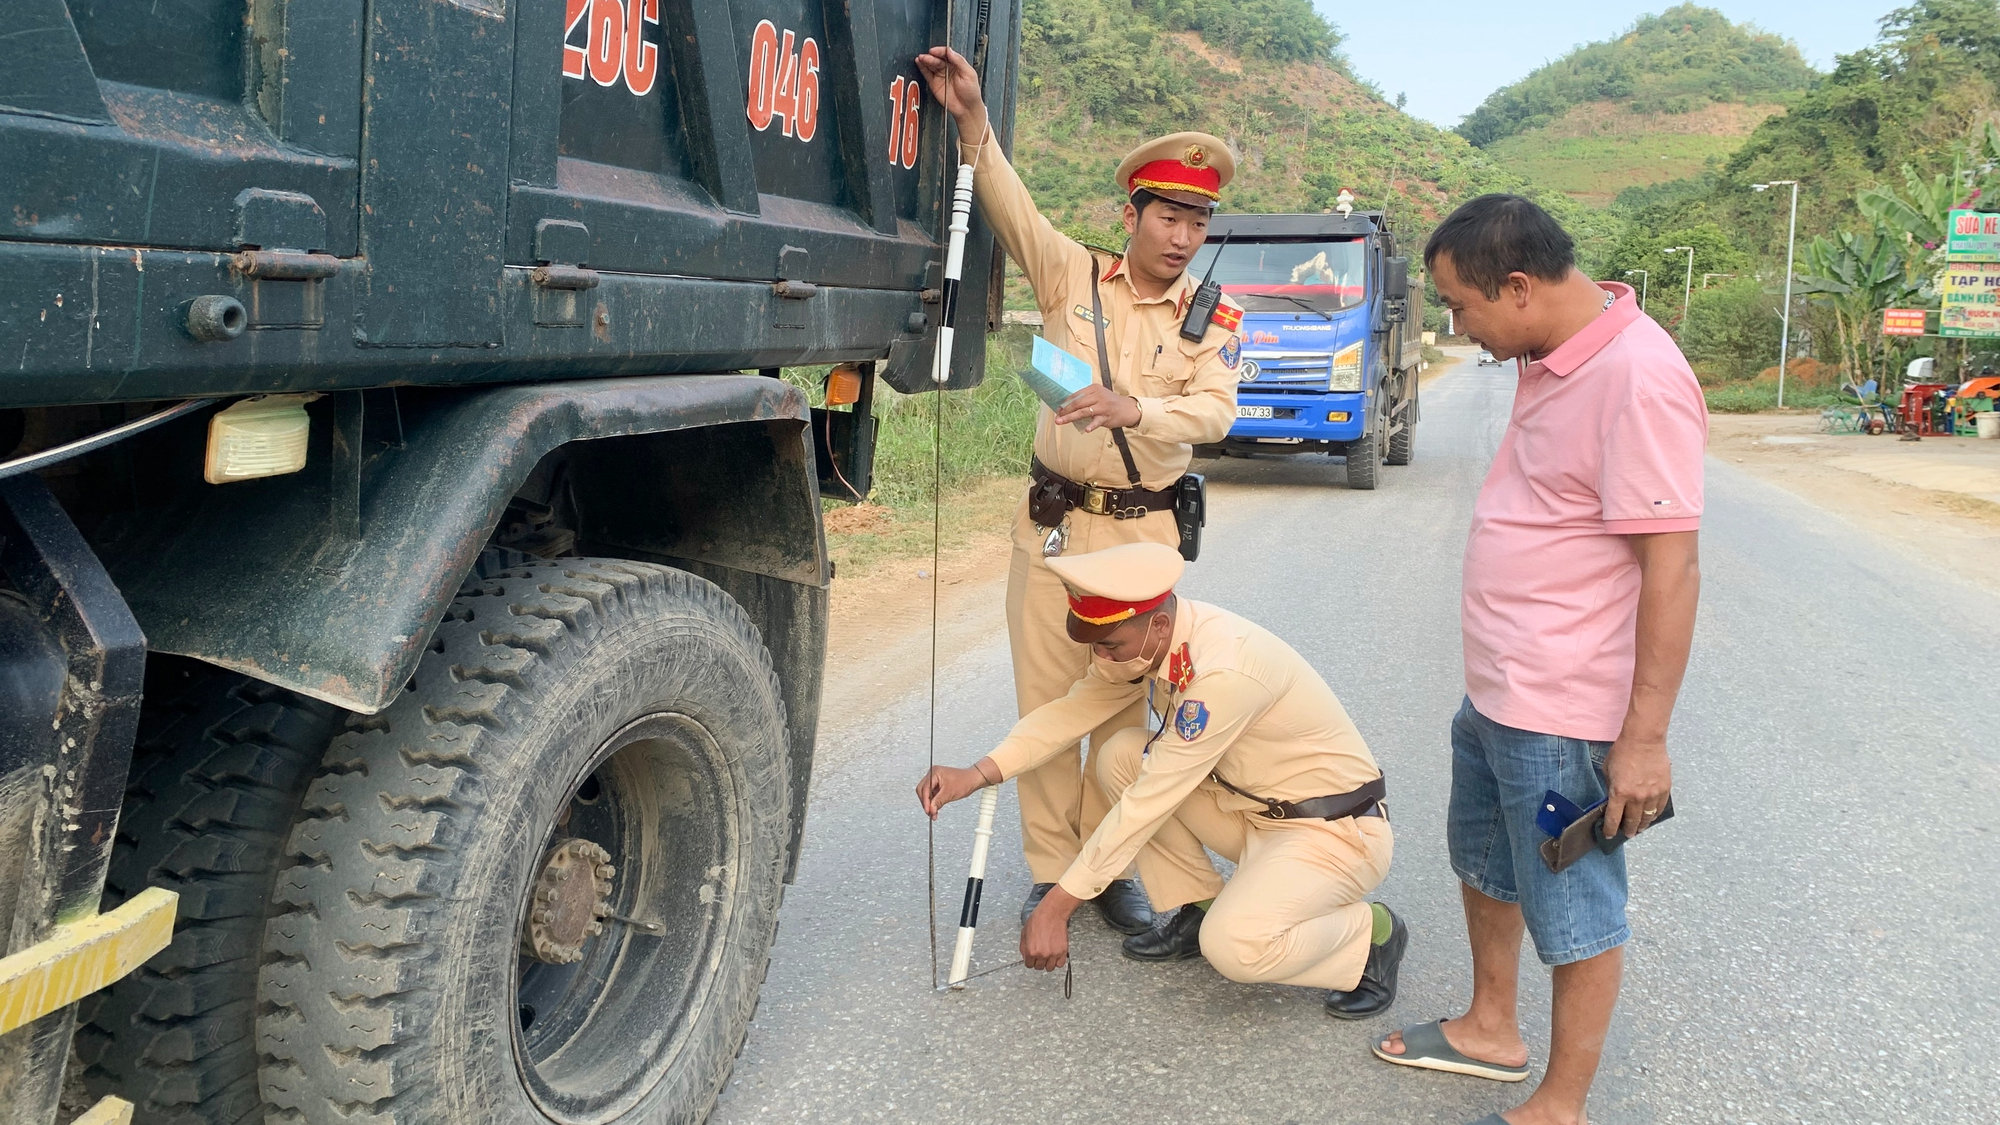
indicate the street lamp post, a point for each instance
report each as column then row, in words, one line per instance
column 1687, row 290
column 1791, row 236
column 1645, row 277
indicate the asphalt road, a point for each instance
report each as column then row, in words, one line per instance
column 1815, row 933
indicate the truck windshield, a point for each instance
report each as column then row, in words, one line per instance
column 1280, row 276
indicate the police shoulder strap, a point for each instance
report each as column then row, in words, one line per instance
column 1104, row 371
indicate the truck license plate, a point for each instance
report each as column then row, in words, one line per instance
column 1253, row 412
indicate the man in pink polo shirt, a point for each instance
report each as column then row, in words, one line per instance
column 1581, row 579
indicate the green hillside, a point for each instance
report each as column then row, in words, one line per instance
column 1909, row 99
column 1099, row 76
column 1679, row 61
column 1597, row 149
column 1655, row 104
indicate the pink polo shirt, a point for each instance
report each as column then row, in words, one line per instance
column 1605, row 441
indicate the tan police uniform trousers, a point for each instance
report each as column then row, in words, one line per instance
column 1294, row 913
column 1061, row 800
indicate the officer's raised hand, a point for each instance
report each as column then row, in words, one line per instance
column 955, row 86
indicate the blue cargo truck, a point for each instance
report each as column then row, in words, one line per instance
column 1331, row 337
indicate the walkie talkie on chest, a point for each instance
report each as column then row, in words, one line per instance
column 1206, row 298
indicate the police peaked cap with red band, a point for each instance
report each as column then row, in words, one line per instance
column 1116, row 584
column 1189, row 168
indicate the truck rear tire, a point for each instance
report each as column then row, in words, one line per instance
column 542, row 885
column 219, row 767
column 1403, row 443
column 1362, row 459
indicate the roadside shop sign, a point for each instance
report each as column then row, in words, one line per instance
column 1902, row 322
column 1971, row 300
column 1973, row 236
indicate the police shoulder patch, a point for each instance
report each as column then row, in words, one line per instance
column 1190, row 719
column 1180, row 668
column 1231, row 352
column 1227, row 318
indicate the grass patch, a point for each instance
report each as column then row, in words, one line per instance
column 1755, row 398
column 987, row 431
column 988, row 435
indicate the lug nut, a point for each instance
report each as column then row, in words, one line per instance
column 606, row 871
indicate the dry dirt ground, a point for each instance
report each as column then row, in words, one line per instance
column 1937, row 499
column 879, row 632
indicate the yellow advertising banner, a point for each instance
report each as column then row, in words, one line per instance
column 1971, row 300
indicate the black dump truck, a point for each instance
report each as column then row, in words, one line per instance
column 415, row 594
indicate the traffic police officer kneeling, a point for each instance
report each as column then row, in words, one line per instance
column 1254, row 758
column 1110, row 465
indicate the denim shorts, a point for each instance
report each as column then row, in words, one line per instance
column 1498, row 777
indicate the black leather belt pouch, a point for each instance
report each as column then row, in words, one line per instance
column 1046, row 505
column 1190, row 513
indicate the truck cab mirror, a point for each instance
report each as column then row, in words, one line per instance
column 1395, row 277
column 1395, row 290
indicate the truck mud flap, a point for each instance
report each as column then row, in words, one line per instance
column 77, row 666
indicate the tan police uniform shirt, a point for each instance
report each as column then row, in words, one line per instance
column 1186, row 390
column 1250, row 709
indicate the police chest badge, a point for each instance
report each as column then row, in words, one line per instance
column 1190, row 719
column 1231, row 352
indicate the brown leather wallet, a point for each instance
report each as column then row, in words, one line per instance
column 1584, row 835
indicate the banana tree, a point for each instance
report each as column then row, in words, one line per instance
column 1918, row 215
column 1857, row 276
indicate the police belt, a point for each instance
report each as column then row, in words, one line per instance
column 1118, row 503
column 1365, row 801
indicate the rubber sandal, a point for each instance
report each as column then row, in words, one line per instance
column 1425, row 1046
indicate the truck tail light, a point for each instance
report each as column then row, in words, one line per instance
column 258, row 437
column 843, row 385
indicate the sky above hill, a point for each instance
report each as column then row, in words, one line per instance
column 1454, row 53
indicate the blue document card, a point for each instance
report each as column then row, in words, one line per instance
column 1557, row 813
column 1055, row 374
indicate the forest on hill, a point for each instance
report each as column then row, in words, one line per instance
column 1681, row 60
column 1100, row 76
column 1884, row 147
column 1883, row 144
column 1656, row 103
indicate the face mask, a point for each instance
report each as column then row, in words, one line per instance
column 1127, row 671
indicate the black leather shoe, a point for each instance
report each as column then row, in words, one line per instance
column 1175, row 938
column 1377, row 989
column 1125, row 907
column 1036, row 894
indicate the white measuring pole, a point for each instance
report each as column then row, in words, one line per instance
column 954, row 268
column 968, row 914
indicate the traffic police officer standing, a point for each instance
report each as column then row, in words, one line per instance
column 1112, row 477
column 1255, row 759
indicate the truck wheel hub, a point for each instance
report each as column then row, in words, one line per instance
column 572, row 895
